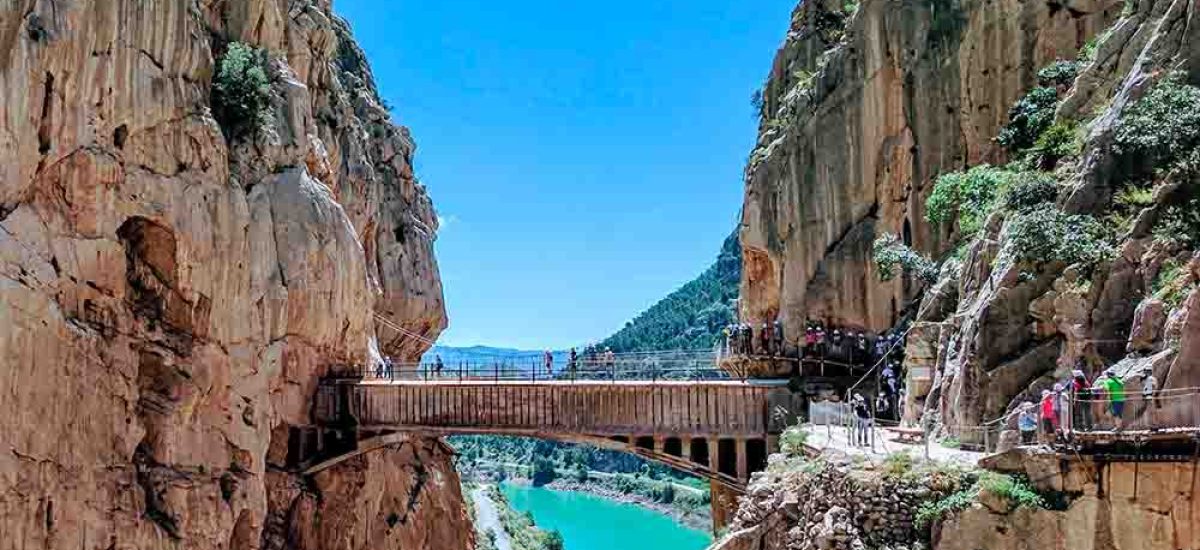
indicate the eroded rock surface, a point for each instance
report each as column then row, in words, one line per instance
column 169, row 297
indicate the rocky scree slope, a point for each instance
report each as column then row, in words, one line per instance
column 171, row 290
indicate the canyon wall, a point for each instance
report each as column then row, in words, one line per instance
column 170, row 292
column 861, row 111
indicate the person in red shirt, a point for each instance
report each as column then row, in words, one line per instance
column 1049, row 416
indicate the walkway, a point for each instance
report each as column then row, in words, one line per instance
column 837, row 438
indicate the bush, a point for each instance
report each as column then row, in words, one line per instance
column 1059, row 73
column 932, row 511
column 1047, row 234
column 1135, row 197
column 1059, row 140
column 1029, row 191
column 898, row 464
column 1161, row 129
column 891, row 256
column 791, row 442
column 1028, row 118
column 969, row 195
column 543, row 471
column 1017, row 491
column 241, row 91
column 1180, row 224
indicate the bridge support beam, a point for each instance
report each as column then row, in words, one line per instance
column 743, row 466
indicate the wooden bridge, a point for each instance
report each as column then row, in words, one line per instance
column 680, row 409
column 721, row 429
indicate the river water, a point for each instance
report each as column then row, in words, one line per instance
column 589, row 522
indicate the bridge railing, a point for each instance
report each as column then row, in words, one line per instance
column 625, row 368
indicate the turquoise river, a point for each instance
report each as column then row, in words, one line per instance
column 589, row 522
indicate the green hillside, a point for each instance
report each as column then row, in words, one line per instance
column 693, row 316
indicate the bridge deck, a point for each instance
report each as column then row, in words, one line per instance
column 599, row 408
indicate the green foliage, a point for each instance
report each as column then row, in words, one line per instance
column 241, row 91
column 1135, row 197
column 1028, row 118
column 1060, row 73
column 1029, row 191
column 1180, row 224
column 970, row 196
column 950, row 443
column 1088, row 52
column 692, row 317
column 543, row 471
column 1017, row 492
column 1062, row 139
column 891, row 256
column 898, row 464
column 756, row 102
column 1161, row 129
column 932, row 511
column 1046, row 234
column 792, row 441
column 1172, row 285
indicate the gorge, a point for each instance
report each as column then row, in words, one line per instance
column 215, row 257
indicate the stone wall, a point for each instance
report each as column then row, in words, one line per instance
column 170, row 297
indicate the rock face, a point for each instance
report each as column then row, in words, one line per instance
column 169, row 297
column 1149, row 506
column 858, row 121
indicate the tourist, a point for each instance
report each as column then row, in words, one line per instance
column 860, row 349
column 862, row 414
column 548, row 362
column 764, row 339
column 882, row 405
column 810, row 340
column 1116, row 395
column 747, row 339
column 610, row 360
column 438, row 366
column 1062, row 409
column 1049, row 422
column 1081, row 395
column 821, row 342
column 571, row 361
column 1027, row 423
column 1149, row 389
column 778, row 336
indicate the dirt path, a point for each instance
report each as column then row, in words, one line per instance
column 488, row 517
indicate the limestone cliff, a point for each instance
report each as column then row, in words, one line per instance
column 170, row 293
column 865, row 104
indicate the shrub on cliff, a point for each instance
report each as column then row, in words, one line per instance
column 968, row 196
column 1179, row 224
column 1028, row 118
column 241, row 91
column 1047, row 234
column 1161, row 130
column 1015, row 491
column 1060, row 73
column 892, row 257
column 1029, row 191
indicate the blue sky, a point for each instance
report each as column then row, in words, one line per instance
column 585, row 157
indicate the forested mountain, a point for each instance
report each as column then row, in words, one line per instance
column 693, row 316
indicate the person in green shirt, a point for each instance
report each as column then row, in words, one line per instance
column 1116, row 395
